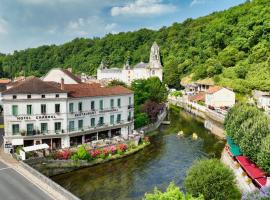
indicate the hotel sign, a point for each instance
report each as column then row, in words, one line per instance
column 36, row 117
column 95, row 112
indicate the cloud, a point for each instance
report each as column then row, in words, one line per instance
column 94, row 26
column 3, row 26
column 196, row 2
column 143, row 7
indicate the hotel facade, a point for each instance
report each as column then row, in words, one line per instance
column 62, row 115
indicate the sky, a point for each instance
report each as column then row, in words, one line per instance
column 32, row 23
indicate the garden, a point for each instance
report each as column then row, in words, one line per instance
column 89, row 154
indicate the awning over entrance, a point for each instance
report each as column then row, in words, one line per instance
column 35, row 147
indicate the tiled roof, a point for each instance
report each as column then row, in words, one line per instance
column 33, row 85
column 71, row 75
column 94, row 89
column 213, row 89
column 197, row 97
column 5, row 81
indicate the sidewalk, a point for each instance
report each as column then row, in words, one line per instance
column 17, row 166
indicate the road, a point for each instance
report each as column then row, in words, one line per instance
column 13, row 186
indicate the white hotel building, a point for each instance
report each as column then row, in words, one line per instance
column 63, row 115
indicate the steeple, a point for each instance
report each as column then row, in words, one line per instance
column 154, row 61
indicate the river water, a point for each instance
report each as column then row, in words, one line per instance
column 166, row 159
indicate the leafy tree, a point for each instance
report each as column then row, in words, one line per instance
column 264, row 154
column 213, row 180
column 173, row 192
column 141, row 120
column 152, row 109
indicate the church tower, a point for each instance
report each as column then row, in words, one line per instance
column 155, row 57
column 155, row 67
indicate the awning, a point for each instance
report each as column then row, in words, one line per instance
column 35, row 147
column 261, row 181
column 16, row 142
column 243, row 160
column 234, row 149
column 254, row 172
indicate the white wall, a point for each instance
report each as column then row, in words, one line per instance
column 56, row 75
column 223, row 97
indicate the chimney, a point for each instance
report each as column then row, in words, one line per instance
column 62, row 84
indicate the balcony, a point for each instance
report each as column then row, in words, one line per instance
column 130, row 106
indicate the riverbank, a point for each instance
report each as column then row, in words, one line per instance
column 212, row 121
column 51, row 167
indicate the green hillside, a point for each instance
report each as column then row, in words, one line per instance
column 232, row 46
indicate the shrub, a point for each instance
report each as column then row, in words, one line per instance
column 122, row 147
column 141, row 119
column 213, row 180
column 264, row 155
column 82, row 153
column 95, row 153
column 173, row 192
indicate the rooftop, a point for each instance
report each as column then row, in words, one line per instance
column 213, row 89
column 71, row 75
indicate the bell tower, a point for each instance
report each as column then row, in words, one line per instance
column 154, row 61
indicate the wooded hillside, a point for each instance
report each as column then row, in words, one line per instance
column 232, row 46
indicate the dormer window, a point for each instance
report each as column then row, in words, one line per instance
column 14, row 97
column 57, row 95
column 29, row 96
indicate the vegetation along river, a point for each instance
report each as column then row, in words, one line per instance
column 167, row 159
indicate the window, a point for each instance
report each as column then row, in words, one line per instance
column 14, row 96
column 15, row 110
column 153, row 72
column 129, row 116
column 71, row 107
column 93, row 123
column 15, row 129
column 43, row 96
column 30, row 129
column 129, row 100
column 29, row 96
column 112, row 103
column 57, row 127
column 80, row 124
column 43, row 108
column 57, row 108
column 101, row 104
column 29, row 109
column 57, row 95
column 119, row 102
column 101, row 121
column 80, row 106
column 92, row 105
column 112, row 119
column 71, row 126
column 44, row 128
column 118, row 118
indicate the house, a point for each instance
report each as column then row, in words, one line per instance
column 217, row 97
column 62, row 115
column 262, row 99
column 194, row 87
column 129, row 73
column 57, row 74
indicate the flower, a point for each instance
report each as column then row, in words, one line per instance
column 122, row 147
column 95, row 153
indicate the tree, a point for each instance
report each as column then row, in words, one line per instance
column 141, row 120
column 264, row 154
column 213, row 180
column 117, row 83
column 152, row 109
column 173, row 192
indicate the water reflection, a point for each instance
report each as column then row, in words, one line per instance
column 166, row 159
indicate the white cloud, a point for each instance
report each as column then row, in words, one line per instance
column 3, row 26
column 143, row 7
column 92, row 26
column 196, row 2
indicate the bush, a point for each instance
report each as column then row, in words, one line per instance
column 264, row 155
column 213, row 180
column 177, row 94
column 141, row 120
column 172, row 193
column 82, row 154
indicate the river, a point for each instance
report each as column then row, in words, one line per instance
column 166, row 159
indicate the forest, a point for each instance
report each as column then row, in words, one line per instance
column 231, row 46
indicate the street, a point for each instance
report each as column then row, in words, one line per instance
column 14, row 186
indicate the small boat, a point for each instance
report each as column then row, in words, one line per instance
column 194, row 136
column 180, row 133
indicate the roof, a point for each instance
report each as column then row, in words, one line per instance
column 71, row 75
column 93, row 90
column 213, row 89
column 141, row 65
column 5, row 81
column 33, row 85
column 197, row 97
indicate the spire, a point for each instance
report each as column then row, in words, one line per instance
column 155, row 56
